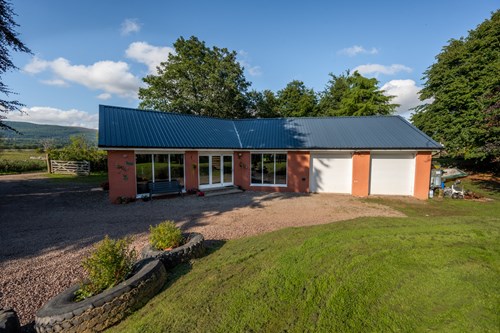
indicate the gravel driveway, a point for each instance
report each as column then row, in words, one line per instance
column 47, row 227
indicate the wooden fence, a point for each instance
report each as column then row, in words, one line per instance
column 81, row 168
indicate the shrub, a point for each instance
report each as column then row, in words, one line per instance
column 109, row 264
column 9, row 166
column 165, row 235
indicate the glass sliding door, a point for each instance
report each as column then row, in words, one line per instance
column 204, row 170
column 215, row 170
column 228, row 170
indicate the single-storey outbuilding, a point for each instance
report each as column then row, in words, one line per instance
column 379, row 155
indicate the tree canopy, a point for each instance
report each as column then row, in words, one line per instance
column 9, row 41
column 296, row 100
column 464, row 88
column 354, row 95
column 198, row 80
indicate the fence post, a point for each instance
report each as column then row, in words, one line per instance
column 47, row 158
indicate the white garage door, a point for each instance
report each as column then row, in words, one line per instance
column 331, row 173
column 392, row 174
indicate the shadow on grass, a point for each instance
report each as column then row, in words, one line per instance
column 211, row 246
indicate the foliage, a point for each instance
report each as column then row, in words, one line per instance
column 109, row 264
column 263, row 104
column 411, row 274
column 463, row 92
column 296, row 100
column 37, row 136
column 80, row 149
column 16, row 166
column 8, row 41
column 354, row 95
column 165, row 235
column 197, row 80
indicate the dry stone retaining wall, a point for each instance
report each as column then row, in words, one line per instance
column 96, row 313
column 193, row 248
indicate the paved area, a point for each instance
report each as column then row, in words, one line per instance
column 47, row 227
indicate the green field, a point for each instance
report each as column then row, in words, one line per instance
column 436, row 270
column 18, row 160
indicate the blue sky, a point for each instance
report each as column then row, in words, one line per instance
column 88, row 53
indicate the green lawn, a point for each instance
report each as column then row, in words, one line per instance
column 18, row 161
column 94, row 178
column 436, row 270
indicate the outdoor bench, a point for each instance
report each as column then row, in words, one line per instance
column 164, row 187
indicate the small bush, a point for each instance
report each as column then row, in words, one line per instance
column 109, row 264
column 165, row 236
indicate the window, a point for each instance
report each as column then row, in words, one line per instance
column 157, row 167
column 268, row 169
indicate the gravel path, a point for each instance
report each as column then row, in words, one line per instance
column 48, row 227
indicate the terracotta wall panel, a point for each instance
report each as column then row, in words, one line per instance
column 121, row 174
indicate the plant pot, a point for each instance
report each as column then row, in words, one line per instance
column 193, row 248
column 96, row 313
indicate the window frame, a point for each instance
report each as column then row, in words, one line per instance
column 274, row 153
column 152, row 157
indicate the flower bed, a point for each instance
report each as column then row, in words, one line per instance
column 96, row 313
column 193, row 248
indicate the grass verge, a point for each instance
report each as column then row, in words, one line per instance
column 436, row 270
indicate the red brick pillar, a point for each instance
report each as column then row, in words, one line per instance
column 361, row 174
column 121, row 174
column 242, row 169
column 423, row 163
column 191, row 165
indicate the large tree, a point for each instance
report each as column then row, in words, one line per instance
column 263, row 104
column 296, row 100
column 464, row 88
column 198, row 80
column 9, row 41
column 354, row 95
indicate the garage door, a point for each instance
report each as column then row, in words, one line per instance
column 331, row 173
column 392, row 174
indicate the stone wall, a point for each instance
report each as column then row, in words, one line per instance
column 193, row 248
column 96, row 313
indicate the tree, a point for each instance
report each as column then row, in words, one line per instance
column 263, row 104
column 296, row 100
column 464, row 87
column 198, row 80
column 8, row 41
column 80, row 149
column 354, row 95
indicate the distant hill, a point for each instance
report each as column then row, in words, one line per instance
column 33, row 133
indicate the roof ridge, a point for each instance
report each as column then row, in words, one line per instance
column 162, row 112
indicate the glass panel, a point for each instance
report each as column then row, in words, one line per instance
column 204, row 171
column 256, row 168
column 177, row 168
column 228, row 169
column 216, row 169
column 161, row 167
column 281, row 169
column 268, row 171
column 143, row 171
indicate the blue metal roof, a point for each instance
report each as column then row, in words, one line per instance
column 133, row 128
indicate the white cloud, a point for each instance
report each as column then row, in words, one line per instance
column 110, row 76
column 36, row 66
column 55, row 82
column 148, row 54
column 381, row 69
column 244, row 61
column 406, row 94
column 129, row 26
column 357, row 49
column 104, row 96
column 54, row 116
